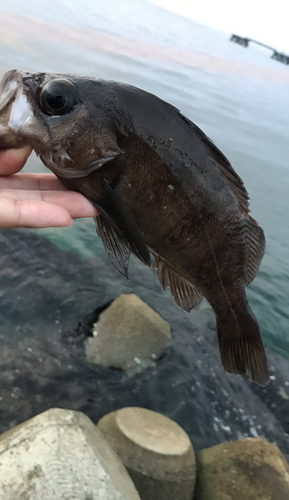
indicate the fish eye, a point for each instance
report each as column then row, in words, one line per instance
column 57, row 97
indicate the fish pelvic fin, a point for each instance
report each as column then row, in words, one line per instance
column 185, row 293
column 115, row 247
column 243, row 352
column 121, row 221
column 255, row 248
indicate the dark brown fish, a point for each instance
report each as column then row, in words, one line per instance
column 161, row 187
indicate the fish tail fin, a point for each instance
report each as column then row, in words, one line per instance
column 243, row 352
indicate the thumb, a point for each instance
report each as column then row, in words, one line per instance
column 13, row 160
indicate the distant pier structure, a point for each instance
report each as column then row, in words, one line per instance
column 277, row 56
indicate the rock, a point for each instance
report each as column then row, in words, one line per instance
column 251, row 469
column 156, row 451
column 58, row 455
column 128, row 333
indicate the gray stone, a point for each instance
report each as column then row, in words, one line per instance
column 251, row 469
column 60, row 454
column 156, row 451
column 128, row 335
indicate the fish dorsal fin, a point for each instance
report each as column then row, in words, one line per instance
column 225, row 167
column 255, row 248
column 185, row 293
column 116, row 249
column 120, row 219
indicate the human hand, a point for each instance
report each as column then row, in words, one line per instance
column 36, row 200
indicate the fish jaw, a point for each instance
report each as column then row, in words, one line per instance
column 15, row 110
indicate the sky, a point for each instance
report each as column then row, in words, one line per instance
column 263, row 20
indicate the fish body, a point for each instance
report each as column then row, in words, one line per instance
column 161, row 188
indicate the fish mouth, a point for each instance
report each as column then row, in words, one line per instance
column 13, row 99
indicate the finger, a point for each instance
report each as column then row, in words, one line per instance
column 33, row 214
column 74, row 203
column 40, row 182
column 12, row 160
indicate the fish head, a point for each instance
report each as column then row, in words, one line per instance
column 61, row 117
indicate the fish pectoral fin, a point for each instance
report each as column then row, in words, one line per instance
column 115, row 247
column 120, row 219
column 243, row 353
column 255, row 248
column 186, row 295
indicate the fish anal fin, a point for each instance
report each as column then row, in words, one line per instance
column 185, row 293
column 116, row 249
column 113, row 210
column 255, row 248
column 243, row 353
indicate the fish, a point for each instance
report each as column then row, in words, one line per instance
column 162, row 189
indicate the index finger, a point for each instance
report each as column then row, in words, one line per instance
column 39, row 182
column 13, row 160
